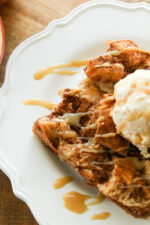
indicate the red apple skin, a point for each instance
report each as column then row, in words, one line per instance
column 3, row 40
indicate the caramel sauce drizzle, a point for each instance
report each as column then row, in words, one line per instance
column 45, row 104
column 75, row 201
column 64, row 72
column 54, row 69
column 60, row 91
column 61, row 182
column 100, row 198
column 100, row 216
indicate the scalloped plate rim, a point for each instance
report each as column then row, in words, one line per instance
column 6, row 166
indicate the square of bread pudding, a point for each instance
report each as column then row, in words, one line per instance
column 102, row 128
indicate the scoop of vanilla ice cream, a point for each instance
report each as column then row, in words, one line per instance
column 131, row 112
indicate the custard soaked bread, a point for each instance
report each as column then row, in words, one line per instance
column 122, row 58
column 81, row 132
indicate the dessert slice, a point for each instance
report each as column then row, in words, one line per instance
column 82, row 133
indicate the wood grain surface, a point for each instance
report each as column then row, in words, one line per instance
column 23, row 18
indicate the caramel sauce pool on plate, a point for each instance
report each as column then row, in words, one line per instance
column 61, row 182
column 98, row 199
column 75, row 201
column 100, row 216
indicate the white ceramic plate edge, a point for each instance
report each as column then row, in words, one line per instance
column 6, row 166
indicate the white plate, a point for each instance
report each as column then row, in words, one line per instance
column 31, row 167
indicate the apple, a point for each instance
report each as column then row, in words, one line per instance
column 2, row 40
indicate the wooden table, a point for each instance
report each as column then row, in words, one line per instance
column 23, row 18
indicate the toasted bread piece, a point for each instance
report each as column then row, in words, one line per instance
column 105, row 162
column 120, row 45
column 123, row 57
